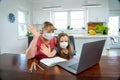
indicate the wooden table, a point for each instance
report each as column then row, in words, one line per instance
column 16, row 67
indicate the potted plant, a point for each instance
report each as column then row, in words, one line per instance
column 102, row 29
column 30, row 37
column 29, row 34
column 68, row 27
column 83, row 28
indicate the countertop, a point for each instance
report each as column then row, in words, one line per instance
column 92, row 36
column 84, row 34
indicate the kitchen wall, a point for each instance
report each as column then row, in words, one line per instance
column 114, row 5
column 9, row 40
column 91, row 14
column 65, row 4
column 38, row 17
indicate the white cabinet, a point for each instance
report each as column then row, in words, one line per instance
column 98, row 14
column 40, row 16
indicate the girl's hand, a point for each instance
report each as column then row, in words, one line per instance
column 44, row 49
column 33, row 30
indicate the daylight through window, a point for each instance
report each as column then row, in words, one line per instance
column 74, row 19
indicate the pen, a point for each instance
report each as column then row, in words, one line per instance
column 40, row 67
column 34, row 66
column 31, row 68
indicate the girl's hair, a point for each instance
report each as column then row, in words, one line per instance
column 70, row 50
column 48, row 26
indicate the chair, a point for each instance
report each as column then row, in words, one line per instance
column 115, row 42
column 72, row 43
column 30, row 39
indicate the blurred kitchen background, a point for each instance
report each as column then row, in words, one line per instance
column 75, row 17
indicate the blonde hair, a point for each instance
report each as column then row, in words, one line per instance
column 48, row 26
column 70, row 50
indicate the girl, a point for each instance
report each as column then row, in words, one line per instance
column 43, row 44
column 64, row 49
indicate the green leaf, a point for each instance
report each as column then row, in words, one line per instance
column 29, row 34
column 102, row 29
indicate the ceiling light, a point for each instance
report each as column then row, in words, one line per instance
column 92, row 5
column 51, row 7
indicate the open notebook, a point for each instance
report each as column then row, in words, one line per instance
column 52, row 61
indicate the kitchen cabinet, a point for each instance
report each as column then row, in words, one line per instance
column 98, row 14
column 40, row 16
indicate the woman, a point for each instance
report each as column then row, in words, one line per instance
column 42, row 45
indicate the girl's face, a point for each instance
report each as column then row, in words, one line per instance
column 64, row 39
column 63, row 42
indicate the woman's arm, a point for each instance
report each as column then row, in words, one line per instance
column 30, row 52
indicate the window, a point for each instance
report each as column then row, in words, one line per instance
column 77, row 19
column 74, row 19
column 22, row 24
column 61, row 20
column 113, row 25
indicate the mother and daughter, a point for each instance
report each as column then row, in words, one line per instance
column 47, row 45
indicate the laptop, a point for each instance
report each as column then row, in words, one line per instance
column 90, row 55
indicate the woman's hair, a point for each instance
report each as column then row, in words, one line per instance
column 70, row 50
column 48, row 26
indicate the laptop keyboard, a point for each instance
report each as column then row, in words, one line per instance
column 74, row 66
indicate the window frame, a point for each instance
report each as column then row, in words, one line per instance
column 69, row 17
column 25, row 23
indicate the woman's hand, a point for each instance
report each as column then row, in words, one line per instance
column 33, row 30
column 44, row 49
column 47, row 50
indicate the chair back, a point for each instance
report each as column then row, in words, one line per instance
column 72, row 43
column 29, row 40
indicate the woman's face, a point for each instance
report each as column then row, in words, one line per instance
column 47, row 31
column 47, row 34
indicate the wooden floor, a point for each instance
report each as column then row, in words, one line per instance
column 113, row 52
